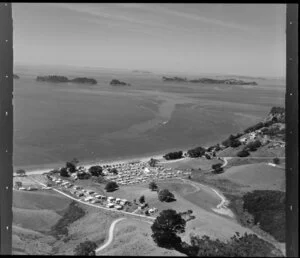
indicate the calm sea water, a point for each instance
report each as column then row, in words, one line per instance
column 55, row 122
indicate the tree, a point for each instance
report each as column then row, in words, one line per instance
column 70, row 166
column 64, row 172
column 253, row 146
column 173, row 155
column 18, row 184
column 21, row 172
column 114, row 171
column 217, row 168
column 196, row 152
column 86, row 248
column 142, row 199
column 153, row 186
column 96, row 171
column 152, row 162
column 111, row 186
column 166, row 227
column 276, row 161
column 165, row 196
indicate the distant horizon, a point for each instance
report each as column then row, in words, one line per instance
column 150, row 71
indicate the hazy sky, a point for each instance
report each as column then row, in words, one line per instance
column 245, row 39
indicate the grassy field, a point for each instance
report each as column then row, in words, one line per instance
column 256, row 176
column 133, row 238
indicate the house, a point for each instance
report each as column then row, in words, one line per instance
column 119, row 207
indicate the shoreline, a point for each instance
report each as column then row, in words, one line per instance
column 44, row 168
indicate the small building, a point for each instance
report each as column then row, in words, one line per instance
column 119, row 207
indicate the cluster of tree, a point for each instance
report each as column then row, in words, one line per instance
column 166, row 196
column 116, row 82
column 252, row 146
column 254, row 127
column 111, row 186
column 153, row 186
column 268, row 209
column 173, row 155
column 196, row 152
column 87, row 248
column 59, row 79
column 232, row 141
column 169, row 224
column 217, row 168
column 96, row 171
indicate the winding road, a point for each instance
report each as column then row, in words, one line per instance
column 110, row 235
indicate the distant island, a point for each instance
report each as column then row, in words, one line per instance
column 62, row 79
column 84, row 80
column 141, row 71
column 116, row 82
column 209, row 81
column 16, row 76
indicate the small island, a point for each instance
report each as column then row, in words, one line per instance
column 84, row 80
column 15, row 76
column 63, row 79
column 210, row 81
column 52, row 78
column 116, row 82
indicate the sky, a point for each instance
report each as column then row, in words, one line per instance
column 241, row 39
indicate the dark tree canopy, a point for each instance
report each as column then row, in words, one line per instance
column 114, row 171
column 173, row 155
column 165, row 196
column 64, row 172
column 142, row 199
column 196, row 152
column 96, row 171
column 86, row 248
column 71, row 167
column 111, row 186
column 166, row 227
column 153, row 186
